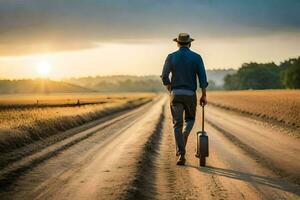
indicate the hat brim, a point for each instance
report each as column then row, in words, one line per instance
column 176, row 40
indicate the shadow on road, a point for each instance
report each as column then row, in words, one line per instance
column 277, row 183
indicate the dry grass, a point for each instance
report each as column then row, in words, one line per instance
column 65, row 98
column 22, row 121
column 279, row 105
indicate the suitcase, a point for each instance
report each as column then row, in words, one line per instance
column 202, row 144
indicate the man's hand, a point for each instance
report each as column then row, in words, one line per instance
column 203, row 100
column 169, row 87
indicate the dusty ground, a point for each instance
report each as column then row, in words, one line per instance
column 132, row 156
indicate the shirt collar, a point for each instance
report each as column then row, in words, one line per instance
column 184, row 48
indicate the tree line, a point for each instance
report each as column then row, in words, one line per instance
column 257, row 76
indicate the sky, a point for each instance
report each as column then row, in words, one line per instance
column 73, row 38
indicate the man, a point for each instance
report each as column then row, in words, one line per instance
column 185, row 66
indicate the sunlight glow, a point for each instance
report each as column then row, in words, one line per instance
column 43, row 69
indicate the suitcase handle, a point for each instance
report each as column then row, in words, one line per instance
column 202, row 118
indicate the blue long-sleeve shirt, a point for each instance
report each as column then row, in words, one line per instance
column 185, row 66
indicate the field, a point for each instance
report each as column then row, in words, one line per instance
column 278, row 105
column 28, row 118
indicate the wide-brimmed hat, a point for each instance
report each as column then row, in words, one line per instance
column 183, row 38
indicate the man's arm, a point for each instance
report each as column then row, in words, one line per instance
column 166, row 72
column 202, row 81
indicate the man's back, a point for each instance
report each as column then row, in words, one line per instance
column 184, row 65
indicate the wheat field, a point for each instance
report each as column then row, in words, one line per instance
column 279, row 105
column 28, row 118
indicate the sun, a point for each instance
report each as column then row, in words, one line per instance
column 43, row 69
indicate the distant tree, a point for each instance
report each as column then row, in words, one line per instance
column 254, row 76
column 290, row 75
column 231, row 82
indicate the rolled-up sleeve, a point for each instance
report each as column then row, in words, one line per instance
column 202, row 74
column 166, row 71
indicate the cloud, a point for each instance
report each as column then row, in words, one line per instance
column 42, row 26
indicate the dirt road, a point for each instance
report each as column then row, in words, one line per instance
column 132, row 156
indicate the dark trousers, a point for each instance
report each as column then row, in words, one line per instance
column 183, row 107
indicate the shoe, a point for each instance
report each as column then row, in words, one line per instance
column 181, row 160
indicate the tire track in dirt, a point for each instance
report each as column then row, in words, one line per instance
column 256, row 151
column 143, row 185
column 250, row 150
